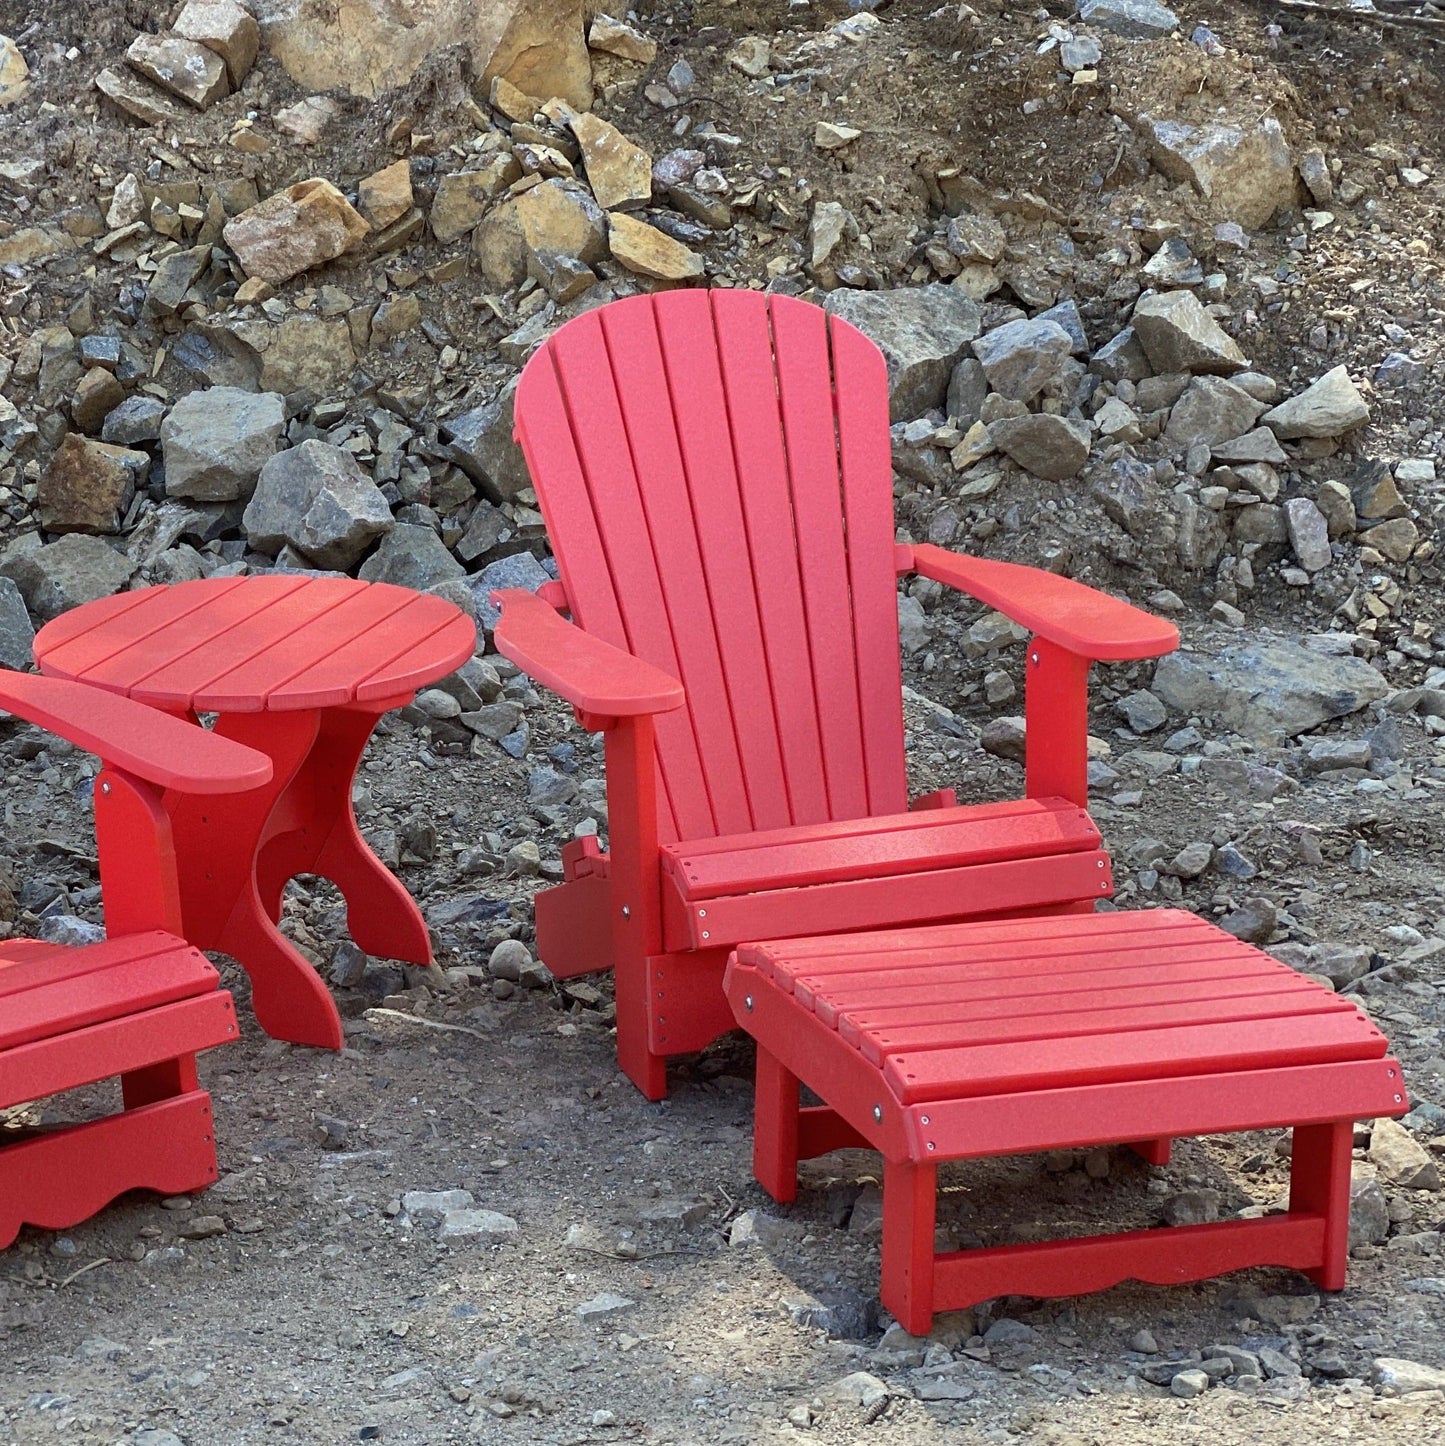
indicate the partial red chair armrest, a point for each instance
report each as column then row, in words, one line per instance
column 594, row 677
column 164, row 751
column 1081, row 619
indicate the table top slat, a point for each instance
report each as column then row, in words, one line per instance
column 274, row 642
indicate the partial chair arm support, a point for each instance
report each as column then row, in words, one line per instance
column 1069, row 614
column 594, row 677
column 164, row 751
column 1073, row 626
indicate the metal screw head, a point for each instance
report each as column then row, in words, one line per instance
column 1034, row 659
column 626, row 912
column 878, row 1113
column 748, row 1003
column 702, row 913
column 923, row 1119
column 105, row 788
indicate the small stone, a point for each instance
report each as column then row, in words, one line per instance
column 828, row 136
column 385, row 196
column 616, row 37
column 1328, row 407
column 97, row 396
column 650, row 252
column 750, row 55
column 1049, row 446
column 308, row 120
column 1400, row 1158
column 303, row 226
column 1369, row 1210
column 510, row 960
column 1007, row 1332
column 826, row 230
column 216, row 441
column 1132, row 19
column 316, row 499
column 975, row 236
column 1309, row 533
column 1256, row 446
column 472, row 1224
column 183, row 67
column 203, row 1227
column 14, row 73
column 135, row 99
column 1178, row 335
column 1191, row 861
column 1142, row 711
column 348, row 965
column 1190, row 1383
column 1144, row 1343
column 1211, row 412
column 1405, row 1378
column 88, row 486
column 605, row 1307
column 481, row 443
column 222, row 26
column 429, row 1207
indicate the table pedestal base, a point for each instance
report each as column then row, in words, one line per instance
column 235, row 854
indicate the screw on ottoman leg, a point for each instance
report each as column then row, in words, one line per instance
column 775, row 1129
column 1319, row 1184
column 910, row 1197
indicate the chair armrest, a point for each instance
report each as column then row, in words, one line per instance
column 593, row 676
column 1076, row 617
column 165, row 751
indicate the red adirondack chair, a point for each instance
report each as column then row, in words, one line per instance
column 138, row 1005
column 714, row 472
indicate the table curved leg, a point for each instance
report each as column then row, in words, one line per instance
column 289, row 998
column 315, row 832
column 219, row 842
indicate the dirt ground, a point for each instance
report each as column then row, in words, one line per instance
column 299, row 1301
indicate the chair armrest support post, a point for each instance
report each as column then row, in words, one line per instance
column 1056, row 711
column 138, row 881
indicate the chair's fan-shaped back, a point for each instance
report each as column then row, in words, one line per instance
column 713, row 468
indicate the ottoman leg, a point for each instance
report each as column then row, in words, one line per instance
column 1319, row 1184
column 910, row 1198
column 1153, row 1152
column 775, row 1129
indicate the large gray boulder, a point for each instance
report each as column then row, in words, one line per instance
column 480, row 443
column 316, row 498
column 412, row 555
column 1325, row 408
column 1178, row 335
column 1022, row 357
column 922, row 332
column 1262, row 689
column 1212, row 411
column 216, row 441
column 75, row 569
column 519, row 570
column 1245, row 173
column 1050, row 447
column 17, row 633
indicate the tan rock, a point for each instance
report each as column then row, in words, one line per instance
column 98, row 394
column 463, row 197
column 183, row 67
column 560, row 217
column 830, row 137
column 1395, row 539
column 136, row 100
column 649, row 252
column 395, row 317
column 619, row 172
column 369, row 46
column 498, row 247
column 307, row 120
column 88, row 485
column 14, row 73
column 34, row 243
column 254, row 290
column 513, row 103
column 617, row 37
column 385, row 195
column 306, row 225
column 222, row 26
column 303, row 354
